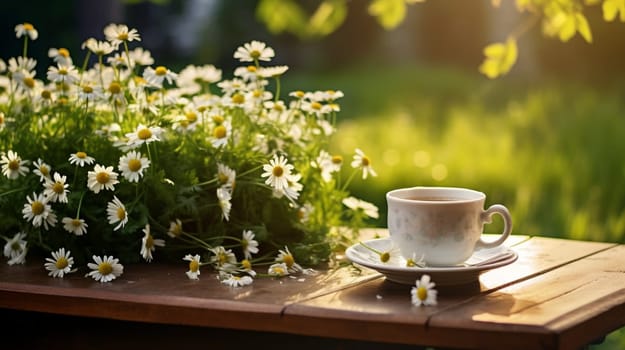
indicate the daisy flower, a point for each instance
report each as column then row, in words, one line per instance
column 287, row 258
column 254, row 51
column 76, row 226
column 248, row 244
column 278, row 270
column 42, row 169
column 89, row 92
column 119, row 33
column 63, row 74
column 105, row 269
column 15, row 246
column 236, row 281
column 155, row 77
column 424, row 293
column 60, row 56
column 102, row 178
column 99, row 48
column 328, row 165
column 277, row 172
column 116, row 213
column 80, row 159
column 141, row 56
column 246, row 267
column 60, row 263
column 362, row 161
column 221, row 133
column 26, row 29
column 194, row 266
column 359, row 205
column 224, row 196
column 149, row 244
column 175, row 229
column 13, row 166
column 226, row 176
column 56, row 190
column 222, row 257
column 143, row 134
column 272, row 72
column 39, row 211
column 132, row 165
column 19, row 258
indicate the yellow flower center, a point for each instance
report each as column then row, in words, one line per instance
column 144, row 134
column 194, row 265
column 288, row 260
column 246, row 264
column 218, row 119
column 223, row 178
column 422, row 293
column 62, row 101
column 257, row 93
column 255, row 54
column 202, row 109
column 102, row 177
column 315, row 105
column 365, row 161
column 299, row 93
column 337, row 159
column 81, row 155
column 220, row 132
column 244, row 244
column 176, row 230
column 46, row 94
column 87, row 89
column 139, row 80
column 105, row 268
column 278, row 107
column 191, row 117
column 58, row 188
column 44, row 170
column 251, row 69
column 160, row 70
column 121, row 213
column 28, row 26
column 14, row 164
column 61, row 263
column 385, row 257
column 277, row 171
column 62, row 71
column 134, row 165
column 122, row 36
column 238, row 98
column 149, row 242
column 29, row 82
column 115, row 88
column 76, row 223
column 64, row 52
column 37, row 207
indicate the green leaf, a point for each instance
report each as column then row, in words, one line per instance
column 582, row 27
column 389, row 13
column 327, row 18
column 500, row 57
column 281, row 16
column 611, row 8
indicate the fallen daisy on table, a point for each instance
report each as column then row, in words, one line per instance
column 424, row 293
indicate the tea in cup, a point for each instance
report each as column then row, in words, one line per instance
column 441, row 225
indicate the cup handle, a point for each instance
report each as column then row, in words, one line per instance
column 486, row 218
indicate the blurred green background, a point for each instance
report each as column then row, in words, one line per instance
column 546, row 140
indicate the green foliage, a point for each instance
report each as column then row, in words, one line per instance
column 189, row 165
column 550, row 152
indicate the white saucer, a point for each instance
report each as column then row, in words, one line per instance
column 396, row 270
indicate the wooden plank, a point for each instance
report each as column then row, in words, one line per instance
column 161, row 293
column 384, row 309
column 579, row 302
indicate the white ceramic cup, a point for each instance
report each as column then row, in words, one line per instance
column 443, row 225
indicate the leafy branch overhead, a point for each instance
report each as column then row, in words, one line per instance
column 559, row 19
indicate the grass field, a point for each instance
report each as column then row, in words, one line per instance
column 551, row 151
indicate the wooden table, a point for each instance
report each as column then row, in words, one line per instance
column 559, row 294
